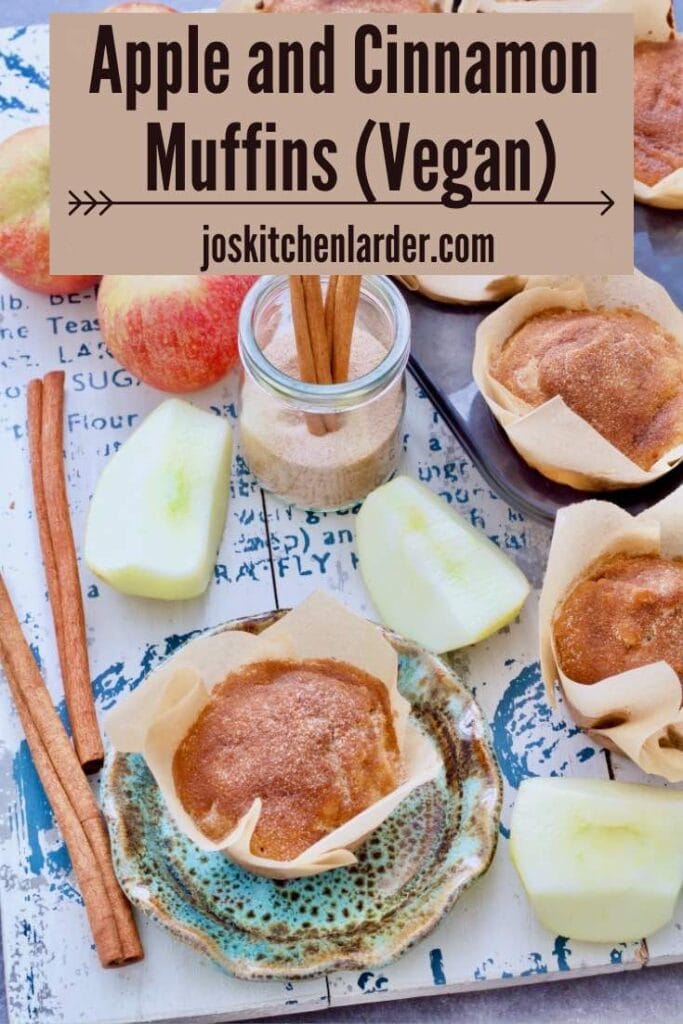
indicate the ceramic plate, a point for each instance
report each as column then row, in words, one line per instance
column 409, row 872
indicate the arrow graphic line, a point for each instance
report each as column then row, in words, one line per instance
column 105, row 203
column 87, row 206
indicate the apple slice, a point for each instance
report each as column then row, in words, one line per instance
column 158, row 511
column 433, row 577
column 601, row 861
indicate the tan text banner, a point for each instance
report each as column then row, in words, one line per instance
column 412, row 144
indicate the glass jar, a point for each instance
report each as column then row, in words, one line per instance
column 361, row 443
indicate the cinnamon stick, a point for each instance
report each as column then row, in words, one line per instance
column 35, row 440
column 61, row 565
column 304, row 346
column 97, row 906
column 330, row 303
column 342, row 317
column 70, row 796
column 315, row 313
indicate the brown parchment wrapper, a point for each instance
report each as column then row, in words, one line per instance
column 551, row 437
column 156, row 717
column 666, row 193
column 463, row 289
column 644, row 703
column 237, row 7
column 652, row 19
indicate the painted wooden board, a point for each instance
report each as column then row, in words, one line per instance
column 491, row 937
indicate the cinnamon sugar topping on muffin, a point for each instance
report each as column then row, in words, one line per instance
column 626, row 612
column 658, row 110
column 616, row 368
column 314, row 740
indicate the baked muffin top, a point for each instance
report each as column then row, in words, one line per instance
column 658, row 110
column 627, row 611
column 349, row 7
column 314, row 740
column 616, row 368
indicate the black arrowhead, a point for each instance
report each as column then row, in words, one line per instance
column 609, row 203
column 90, row 203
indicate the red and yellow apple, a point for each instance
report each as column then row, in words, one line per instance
column 176, row 333
column 25, row 215
column 134, row 7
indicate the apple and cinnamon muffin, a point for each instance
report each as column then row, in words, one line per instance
column 314, row 740
column 625, row 612
column 616, row 368
column 658, row 109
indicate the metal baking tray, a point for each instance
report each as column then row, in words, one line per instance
column 441, row 362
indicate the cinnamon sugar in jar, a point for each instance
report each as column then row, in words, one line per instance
column 362, row 445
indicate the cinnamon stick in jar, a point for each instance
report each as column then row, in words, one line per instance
column 324, row 333
column 46, row 433
column 330, row 303
column 343, row 294
column 309, row 350
column 315, row 313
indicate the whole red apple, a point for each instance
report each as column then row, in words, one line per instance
column 139, row 8
column 25, row 215
column 176, row 333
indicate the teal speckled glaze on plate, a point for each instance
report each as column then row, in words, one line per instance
column 409, row 872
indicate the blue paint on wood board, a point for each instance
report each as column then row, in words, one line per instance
column 14, row 103
column 15, row 64
column 35, row 814
column 369, row 983
column 526, row 730
column 436, row 966
column 562, row 952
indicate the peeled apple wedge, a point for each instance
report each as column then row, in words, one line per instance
column 158, row 511
column 432, row 576
column 601, row 861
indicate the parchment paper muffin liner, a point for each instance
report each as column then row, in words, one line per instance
column 666, row 193
column 637, row 712
column 463, row 289
column 155, row 718
column 552, row 437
